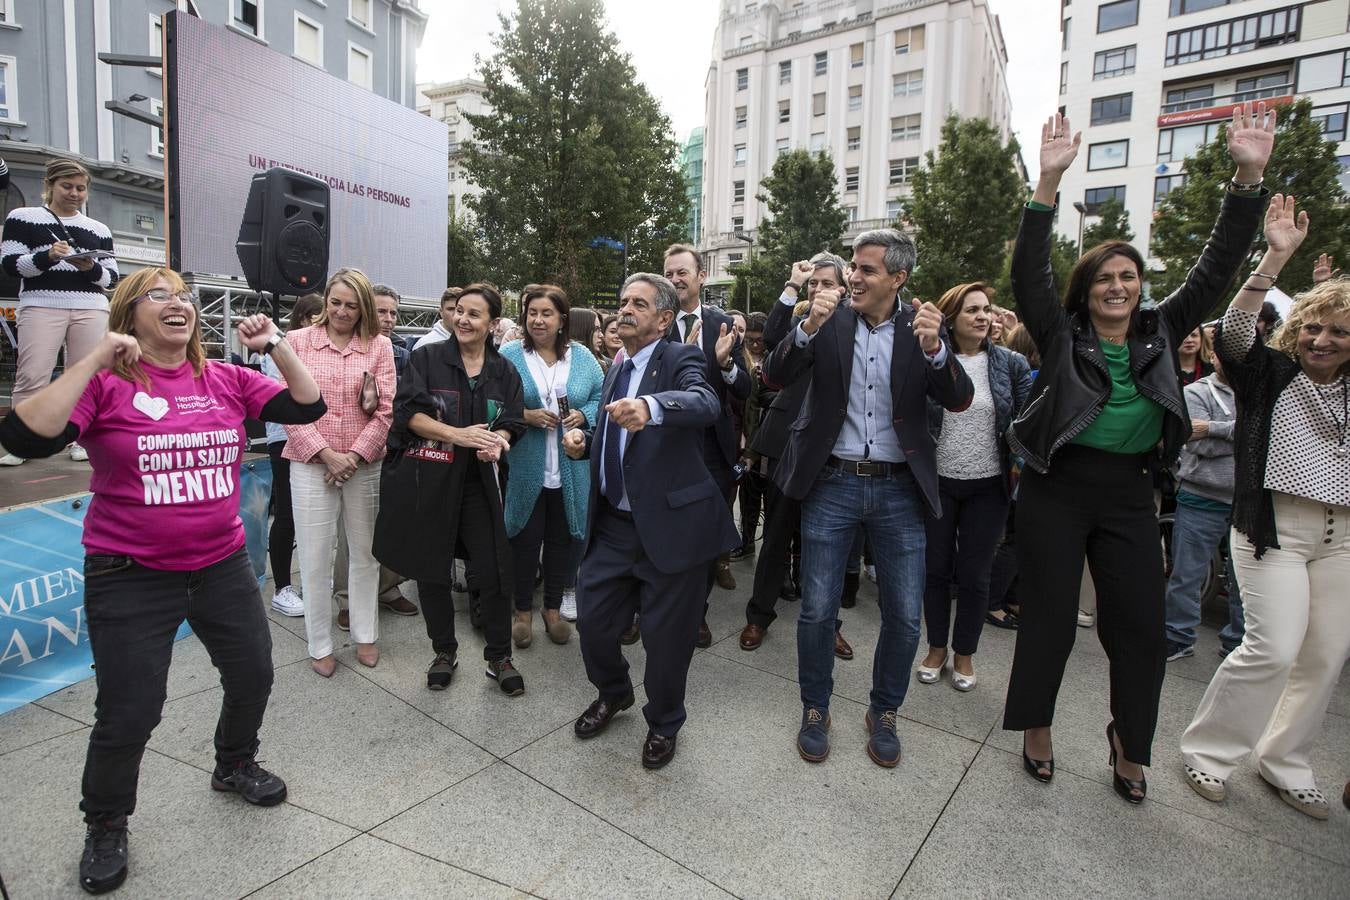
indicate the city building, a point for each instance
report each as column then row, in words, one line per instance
column 691, row 166
column 1149, row 82
column 448, row 102
column 868, row 81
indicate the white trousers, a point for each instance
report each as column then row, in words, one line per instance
column 42, row 331
column 316, row 507
column 1271, row 693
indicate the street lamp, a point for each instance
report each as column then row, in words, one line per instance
column 750, row 259
column 1082, row 214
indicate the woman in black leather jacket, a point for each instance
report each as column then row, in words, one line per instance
column 1106, row 412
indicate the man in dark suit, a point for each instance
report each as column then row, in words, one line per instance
column 657, row 518
column 860, row 451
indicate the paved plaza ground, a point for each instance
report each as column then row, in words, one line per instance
column 396, row 791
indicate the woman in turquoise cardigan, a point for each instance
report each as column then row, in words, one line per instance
column 547, row 492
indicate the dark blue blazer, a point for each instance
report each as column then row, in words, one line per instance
column 724, row 432
column 682, row 519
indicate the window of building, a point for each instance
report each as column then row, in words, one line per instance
column 854, row 138
column 1064, row 77
column 156, row 43
column 1194, row 97
column 850, row 214
column 785, row 72
column 905, row 128
column 738, row 192
column 247, row 16
column 360, row 67
column 851, row 179
column 738, row 157
column 1332, row 120
column 1326, row 70
column 902, row 169
column 818, row 104
column 157, row 134
column 1064, row 41
column 784, row 145
column 909, row 40
column 751, row 6
column 745, row 40
column 1093, row 198
column 855, row 97
column 818, row 142
column 308, row 40
column 1109, row 155
column 1242, row 35
column 1115, row 108
column 822, row 63
column 1113, row 63
column 1175, row 144
column 737, row 224
column 893, row 209
column 1272, row 84
column 734, row 258
column 6, row 11
column 1122, row 14
column 740, row 117
column 742, row 79
column 9, row 91
column 1181, row 7
column 359, row 12
column 855, row 56
column 784, row 111
column 907, row 84
column 1165, row 185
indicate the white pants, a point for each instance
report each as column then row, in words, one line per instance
column 1271, row 693
column 316, row 507
column 42, row 331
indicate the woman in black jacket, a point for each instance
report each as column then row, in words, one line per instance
column 1106, row 412
column 973, row 477
column 459, row 407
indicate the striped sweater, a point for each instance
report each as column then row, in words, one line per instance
column 29, row 231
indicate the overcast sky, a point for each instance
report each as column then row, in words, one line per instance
column 671, row 52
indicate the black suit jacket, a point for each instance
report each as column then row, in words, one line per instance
column 776, row 420
column 723, row 432
column 828, row 361
column 681, row 516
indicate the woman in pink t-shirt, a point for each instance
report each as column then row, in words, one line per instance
column 164, row 428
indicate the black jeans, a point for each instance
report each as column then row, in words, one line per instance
column 547, row 527
column 133, row 613
column 1099, row 505
column 281, row 536
column 477, row 531
column 962, row 541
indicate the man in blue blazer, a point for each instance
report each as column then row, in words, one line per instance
column 657, row 519
column 860, row 452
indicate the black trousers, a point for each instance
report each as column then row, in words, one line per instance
column 477, row 531
column 1098, row 505
column 782, row 521
column 547, row 527
column 617, row 580
column 133, row 614
column 752, row 489
column 281, row 536
column 962, row 541
column 726, row 483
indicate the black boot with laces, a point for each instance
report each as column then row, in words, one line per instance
column 250, row 781
column 103, row 865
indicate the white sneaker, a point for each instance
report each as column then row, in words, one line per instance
column 1086, row 619
column 78, row 453
column 871, row 573
column 569, row 606
column 287, row 601
column 9, row 459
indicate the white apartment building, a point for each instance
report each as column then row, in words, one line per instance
column 1148, row 81
column 870, row 81
column 448, row 102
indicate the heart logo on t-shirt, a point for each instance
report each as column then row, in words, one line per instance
column 154, row 407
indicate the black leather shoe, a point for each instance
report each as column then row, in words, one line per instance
column 788, row 591
column 596, row 717
column 657, row 750
column 103, row 865
column 250, row 781
column 849, row 599
column 632, row 634
column 704, row 636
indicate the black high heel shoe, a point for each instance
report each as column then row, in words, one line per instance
column 1125, row 787
column 1033, row 766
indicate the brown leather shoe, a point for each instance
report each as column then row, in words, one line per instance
column 400, row 606
column 657, row 750
column 344, row 621
column 752, row 636
column 725, row 580
column 632, row 634
column 704, row 636
column 596, row 717
column 841, row 647
column 556, row 627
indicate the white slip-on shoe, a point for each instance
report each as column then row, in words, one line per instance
column 9, row 459
column 1206, row 785
column 569, row 605
column 78, row 453
column 287, row 601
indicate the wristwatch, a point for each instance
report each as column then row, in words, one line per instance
column 272, row 343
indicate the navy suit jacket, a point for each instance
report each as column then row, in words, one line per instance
column 682, row 518
column 828, row 361
column 724, row 432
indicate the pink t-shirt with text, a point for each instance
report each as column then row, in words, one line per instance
column 166, row 462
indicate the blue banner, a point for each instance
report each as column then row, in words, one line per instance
column 44, row 640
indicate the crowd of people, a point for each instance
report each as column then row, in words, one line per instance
column 982, row 466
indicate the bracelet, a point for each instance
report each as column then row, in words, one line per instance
column 793, row 286
column 1245, row 187
column 1257, row 290
column 1273, row 278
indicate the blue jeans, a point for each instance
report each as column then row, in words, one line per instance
column 1196, row 533
column 892, row 510
column 1230, row 636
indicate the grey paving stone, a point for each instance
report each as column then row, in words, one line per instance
column 186, row 839
column 347, row 749
column 366, row 866
column 1005, row 835
column 31, row 724
column 740, row 807
column 510, row 828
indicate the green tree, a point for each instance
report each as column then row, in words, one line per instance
column 803, row 217
column 1063, row 255
column 1303, row 164
column 1113, row 224
column 965, row 207
column 574, row 149
column 464, row 252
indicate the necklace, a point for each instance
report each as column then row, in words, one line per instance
column 545, row 376
column 1341, row 452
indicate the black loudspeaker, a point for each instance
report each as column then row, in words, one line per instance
column 283, row 239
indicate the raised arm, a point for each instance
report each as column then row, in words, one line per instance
column 1285, row 232
column 1033, row 280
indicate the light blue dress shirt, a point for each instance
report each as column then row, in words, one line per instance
column 640, row 361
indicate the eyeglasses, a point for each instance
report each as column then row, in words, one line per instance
column 160, row 296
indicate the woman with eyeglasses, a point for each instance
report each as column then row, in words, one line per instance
column 164, row 428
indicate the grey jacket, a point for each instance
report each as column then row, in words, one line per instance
column 1207, row 463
